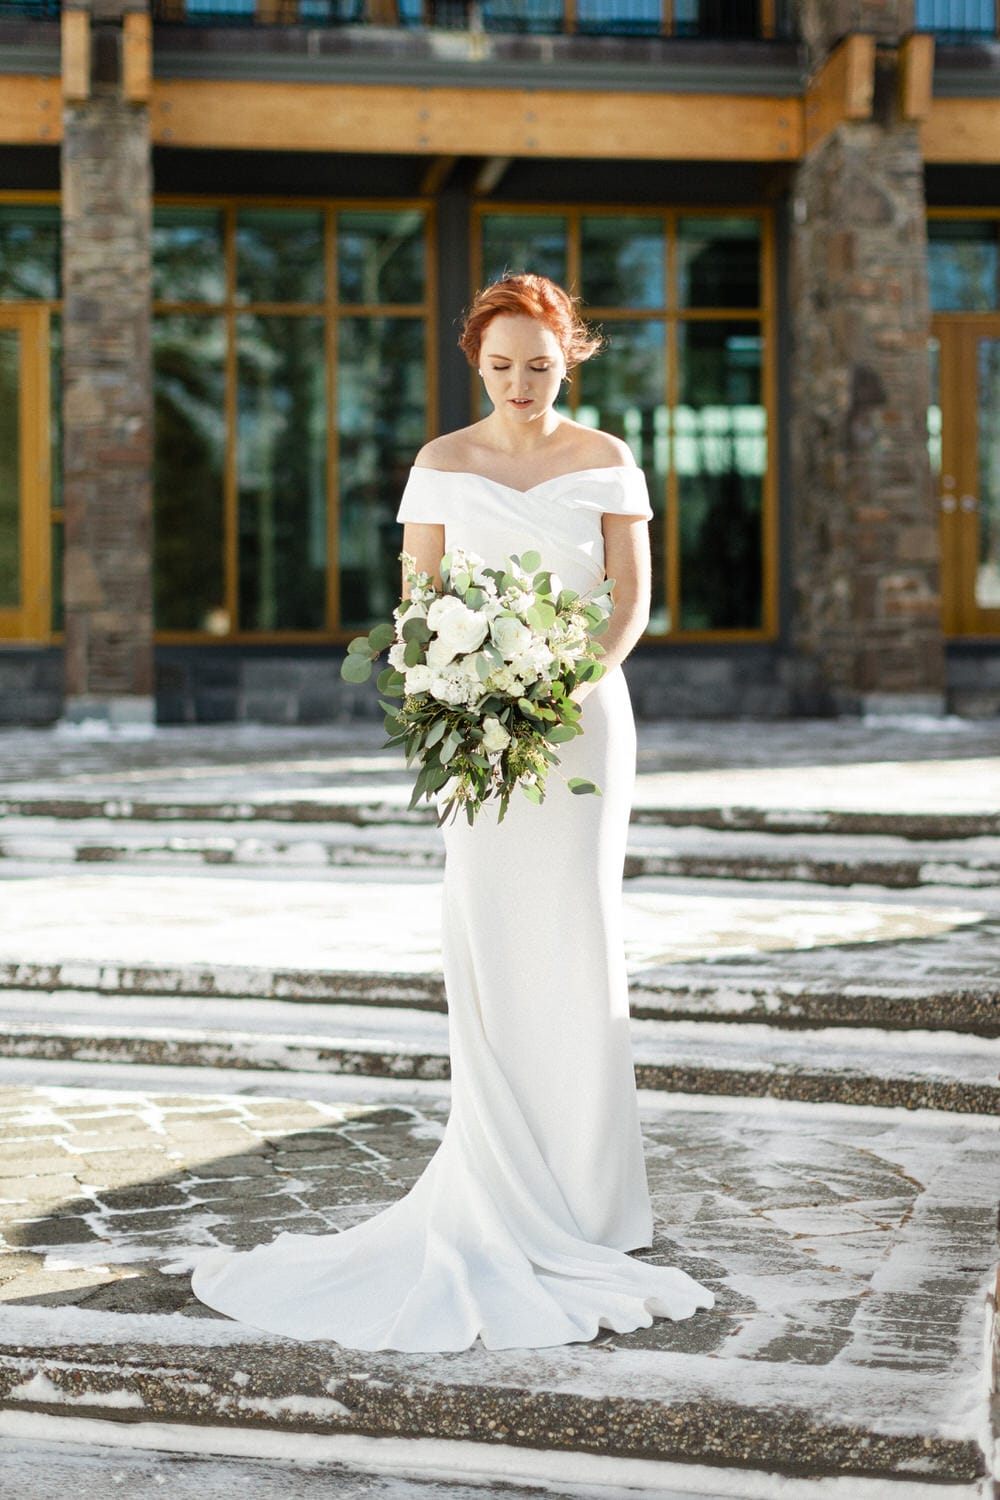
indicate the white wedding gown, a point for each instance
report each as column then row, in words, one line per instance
column 517, row 1230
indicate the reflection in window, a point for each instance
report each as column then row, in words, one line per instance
column 988, row 562
column 29, row 251
column 622, row 259
column 279, row 255
column 962, row 264
column 718, row 262
column 380, row 255
column 188, row 571
column 281, row 473
column 188, row 260
column 514, row 243
column 10, row 468
column 622, row 392
column 720, row 452
column 381, row 400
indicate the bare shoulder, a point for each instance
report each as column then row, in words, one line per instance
column 449, row 451
column 600, row 450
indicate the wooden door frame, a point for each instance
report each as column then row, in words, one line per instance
column 31, row 619
column 959, row 499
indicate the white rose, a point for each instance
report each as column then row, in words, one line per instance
column 495, row 736
column 509, row 636
column 441, row 609
column 439, row 654
column 503, row 680
column 418, row 678
column 397, row 656
column 462, row 629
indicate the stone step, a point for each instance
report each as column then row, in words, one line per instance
column 852, row 1253
column 933, row 1070
column 682, row 993
column 356, row 806
column 831, row 859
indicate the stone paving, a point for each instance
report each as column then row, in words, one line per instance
column 852, row 1248
column 852, row 1253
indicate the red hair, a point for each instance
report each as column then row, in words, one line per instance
column 530, row 296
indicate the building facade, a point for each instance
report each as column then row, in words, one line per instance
column 236, row 240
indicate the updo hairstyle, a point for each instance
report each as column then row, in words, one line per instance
column 530, row 296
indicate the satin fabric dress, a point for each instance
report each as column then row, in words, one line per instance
column 517, row 1230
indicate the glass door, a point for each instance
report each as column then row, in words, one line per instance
column 24, row 473
column 968, row 396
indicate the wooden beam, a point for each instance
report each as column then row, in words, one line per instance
column 75, row 29
column 489, row 122
column 916, row 76
column 436, row 174
column 30, row 110
column 489, row 175
column 962, row 130
column 382, row 12
column 137, row 56
column 843, row 89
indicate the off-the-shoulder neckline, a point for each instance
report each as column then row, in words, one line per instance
column 570, row 474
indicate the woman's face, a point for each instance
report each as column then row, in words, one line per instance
column 522, row 366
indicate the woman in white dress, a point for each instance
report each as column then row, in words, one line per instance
column 517, row 1231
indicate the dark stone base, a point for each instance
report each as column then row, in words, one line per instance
column 302, row 685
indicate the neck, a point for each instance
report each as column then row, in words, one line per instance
column 515, row 438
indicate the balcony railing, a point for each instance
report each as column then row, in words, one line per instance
column 734, row 19
column 959, row 20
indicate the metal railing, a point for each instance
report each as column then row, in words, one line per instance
column 736, row 19
column 958, row 20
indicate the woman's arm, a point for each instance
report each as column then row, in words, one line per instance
column 626, row 560
column 426, row 544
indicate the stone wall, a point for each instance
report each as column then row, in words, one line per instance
column 865, row 547
column 107, row 400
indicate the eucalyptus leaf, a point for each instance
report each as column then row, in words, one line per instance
column 359, row 646
column 356, row 668
column 559, row 734
column 580, row 786
column 541, row 616
column 530, row 561
column 435, row 733
column 413, row 653
column 382, row 637
column 416, row 629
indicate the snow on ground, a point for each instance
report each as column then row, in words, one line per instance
column 44, row 1458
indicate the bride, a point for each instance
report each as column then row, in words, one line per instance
column 518, row 1230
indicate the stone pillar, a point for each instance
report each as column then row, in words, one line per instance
column 107, row 378
column 867, row 622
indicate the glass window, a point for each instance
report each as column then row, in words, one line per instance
column 720, row 453
column 281, row 468
column 620, row 17
column 381, row 418
column 525, row 242
column 10, row 468
column 29, row 251
column 957, row 20
column 988, row 559
column 188, row 259
column 622, row 260
column 718, row 262
column 622, row 392
column 962, row 264
column 380, row 256
column 188, row 392
column 279, row 255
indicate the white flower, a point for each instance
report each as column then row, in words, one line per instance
column 439, row 654
column 441, row 608
column 532, row 662
column 418, row 678
column 510, row 637
column 495, row 736
column 461, row 629
column 504, row 680
column 397, row 656
column 448, row 687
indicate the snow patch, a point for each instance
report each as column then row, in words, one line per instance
column 41, row 1388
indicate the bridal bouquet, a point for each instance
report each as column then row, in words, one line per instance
column 485, row 667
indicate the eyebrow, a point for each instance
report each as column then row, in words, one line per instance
column 495, row 355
